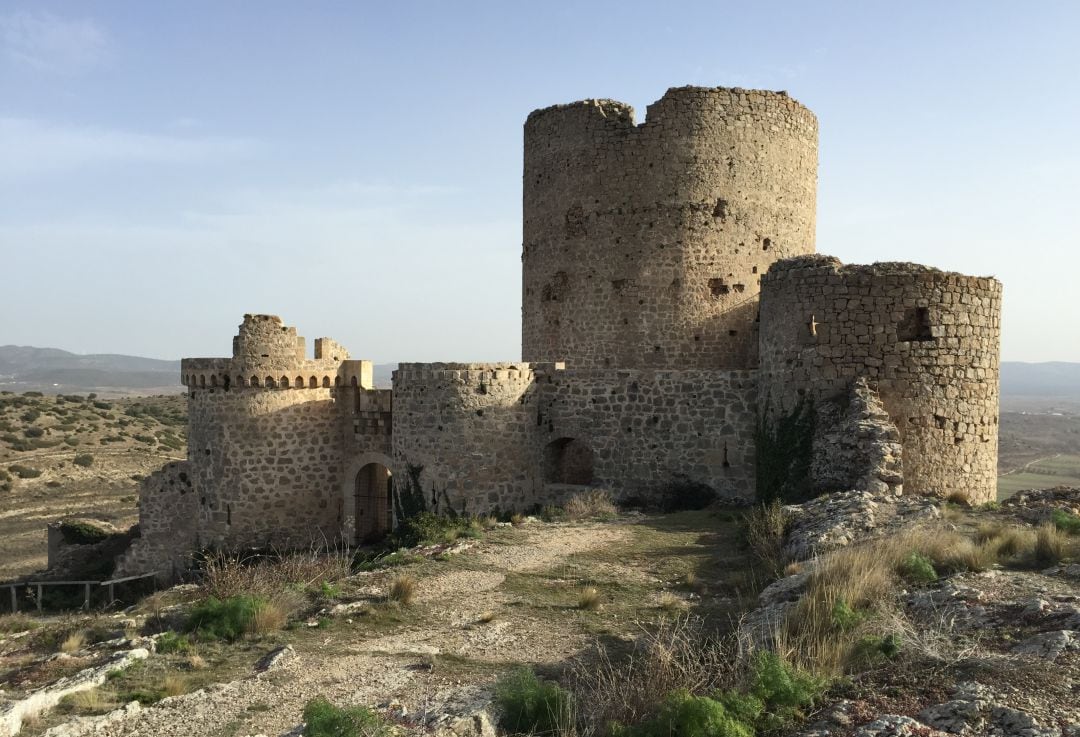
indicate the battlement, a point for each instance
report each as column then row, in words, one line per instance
column 468, row 373
column 613, row 114
column 267, row 354
column 800, row 267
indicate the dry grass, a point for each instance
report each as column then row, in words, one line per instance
column 197, row 662
column 669, row 602
column 517, row 519
column 403, row 589
column 270, row 617
column 863, row 580
column 11, row 623
column 1050, row 545
column 73, row 642
column 589, row 599
column 92, row 699
column 488, row 617
column 960, row 498
column 677, row 655
column 174, row 685
column 226, row 575
column 766, row 526
column 589, row 504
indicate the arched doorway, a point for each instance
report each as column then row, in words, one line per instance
column 374, row 502
column 568, row 461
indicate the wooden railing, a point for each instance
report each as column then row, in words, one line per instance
column 88, row 588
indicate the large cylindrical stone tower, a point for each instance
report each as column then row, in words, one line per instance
column 644, row 244
column 927, row 341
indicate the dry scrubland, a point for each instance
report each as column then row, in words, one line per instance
column 77, row 455
column 576, row 626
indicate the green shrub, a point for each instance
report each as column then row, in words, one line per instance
column 323, row 719
column 685, row 715
column 917, row 568
column 390, row 560
column 84, row 459
column 76, row 532
column 103, row 405
column 145, row 696
column 845, row 618
column 531, row 706
column 785, row 689
column 24, row 472
column 173, row 642
column 33, row 431
column 1066, row 521
column 30, row 415
column 228, row 619
column 874, row 648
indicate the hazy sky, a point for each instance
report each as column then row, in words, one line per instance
column 356, row 167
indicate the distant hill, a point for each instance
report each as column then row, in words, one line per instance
column 1054, row 378
column 24, row 368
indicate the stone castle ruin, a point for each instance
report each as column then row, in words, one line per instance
column 678, row 333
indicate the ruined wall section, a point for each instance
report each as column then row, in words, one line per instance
column 643, row 245
column 472, row 426
column 168, row 524
column 650, row 431
column 927, row 341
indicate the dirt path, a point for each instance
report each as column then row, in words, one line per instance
column 395, row 666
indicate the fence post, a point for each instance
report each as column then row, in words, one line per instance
column 39, row 595
column 86, row 603
column 14, row 600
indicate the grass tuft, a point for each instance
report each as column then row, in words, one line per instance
column 589, row 599
column 73, row 642
column 1050, row 545
column 323, row 719
column 531, row 706
column 403, row 589
column 596, row 503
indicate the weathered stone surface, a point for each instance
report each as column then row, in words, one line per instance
column 927, row 341
column 643, row 245
column 14, row 713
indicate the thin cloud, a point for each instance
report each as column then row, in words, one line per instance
column 29, row 147
column 48, row 43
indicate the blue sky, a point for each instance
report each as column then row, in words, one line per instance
column 356, row 167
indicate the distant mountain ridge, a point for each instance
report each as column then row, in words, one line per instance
column 37, row 368
column 1052, row 378
column 27, row 367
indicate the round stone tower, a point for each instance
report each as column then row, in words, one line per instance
column 927, row 341
column 264, row 438
column 644, row 244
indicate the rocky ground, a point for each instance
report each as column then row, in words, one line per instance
column 988, row 646
column 511, row 598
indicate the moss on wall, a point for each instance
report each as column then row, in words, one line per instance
column 784, row 452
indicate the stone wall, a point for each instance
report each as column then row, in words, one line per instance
column 472, row 427
column 926, row 340
column 644, row 244
column 267, row 466
column 649, row 430
column 168, row 524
